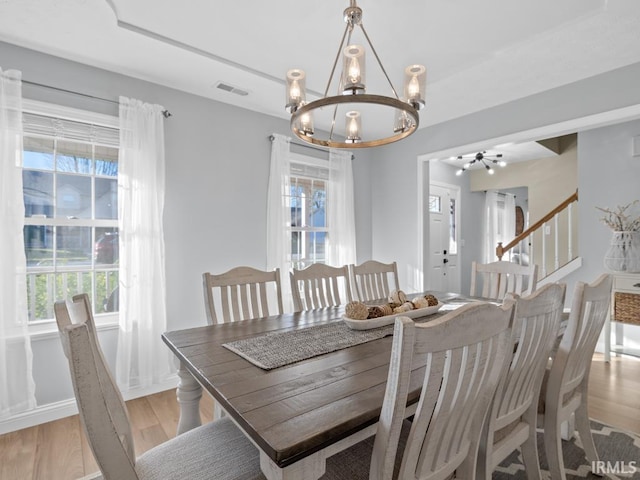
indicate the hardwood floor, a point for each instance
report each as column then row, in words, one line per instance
column 59, row 451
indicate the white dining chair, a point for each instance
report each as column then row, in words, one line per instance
column 566, row 384
column 241, row 293
column 495, row 280
column 217, row 450
column 320, row 286
column 457, row 361
column 512, row 418
column 373, row 280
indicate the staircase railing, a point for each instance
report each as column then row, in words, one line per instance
column 527, row 235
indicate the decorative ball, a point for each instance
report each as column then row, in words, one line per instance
column 375, row 312
column 397, row 296
column 356, row 311
column 433, row 301
column 420, row 302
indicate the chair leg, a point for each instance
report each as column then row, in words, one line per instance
column 530, row 456
column 553, row 445
column 530, row 447
column 584, row 429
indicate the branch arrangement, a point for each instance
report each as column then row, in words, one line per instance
column 618, row 221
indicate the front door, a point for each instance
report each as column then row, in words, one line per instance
column 444, row 271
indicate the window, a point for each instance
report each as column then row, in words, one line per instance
column 307, row 200
column 435, row 204
column 70, row 171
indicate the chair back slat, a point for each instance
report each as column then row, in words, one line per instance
column 319, row 286
column 465, row 353
column 240, row 294
column 495, row 280
column 371, row 280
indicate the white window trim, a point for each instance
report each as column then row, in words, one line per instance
column 106, row 320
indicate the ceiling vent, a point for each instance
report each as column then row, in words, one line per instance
column 230, row 88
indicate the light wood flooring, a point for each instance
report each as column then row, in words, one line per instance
column 59, row 451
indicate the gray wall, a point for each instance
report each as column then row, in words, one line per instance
column 394, row 168
column 217, row 162
column 608, row 176
column 217, row 180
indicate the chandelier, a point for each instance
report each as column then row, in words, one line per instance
column 348, row 110
column 481, row 158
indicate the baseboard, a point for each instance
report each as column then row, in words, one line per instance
column 66, row 408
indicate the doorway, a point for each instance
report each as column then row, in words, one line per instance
column 444, row 246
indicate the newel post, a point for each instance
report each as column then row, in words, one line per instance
column 499, row 251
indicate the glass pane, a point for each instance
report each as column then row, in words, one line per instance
column 435, row 205
column 73, row 246
column 40, row 291
column 107, row 292
column 38, row 245
column 37, row 153
column 37, row 188
column 106, row 198
column 296, row 249
column 314, row 248
column 73, row 157
column 317, row 206
column 69, row 284
column 106, row 249
column 73, row 196
column 296, row 204
column 106, row 161
column 453, row 244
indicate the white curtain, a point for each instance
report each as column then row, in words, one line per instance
column 142, row 358
column 17, row 388
column 279, row 214
column 341, row 247
column 499, row 222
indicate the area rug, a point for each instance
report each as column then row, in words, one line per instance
column 619, row 453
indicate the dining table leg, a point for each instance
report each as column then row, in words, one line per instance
column 189, row 393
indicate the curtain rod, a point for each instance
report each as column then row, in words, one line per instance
column 165, row 113
column 502, row 193
column 272, row 138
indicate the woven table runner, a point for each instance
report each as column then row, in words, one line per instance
column 276, row 349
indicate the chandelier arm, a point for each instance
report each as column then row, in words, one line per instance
column 335, row 63
column 378, row 59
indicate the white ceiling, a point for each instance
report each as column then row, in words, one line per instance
column 478, row 53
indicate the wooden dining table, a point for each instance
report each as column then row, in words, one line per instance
column 299, row 414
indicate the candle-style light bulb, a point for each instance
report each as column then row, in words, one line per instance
column 296, row 95
column 354, row 70
column 414, row 87
column 353, row 127
column 294, row 91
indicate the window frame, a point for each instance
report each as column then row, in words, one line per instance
column 311, row 161
column 103, row 320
